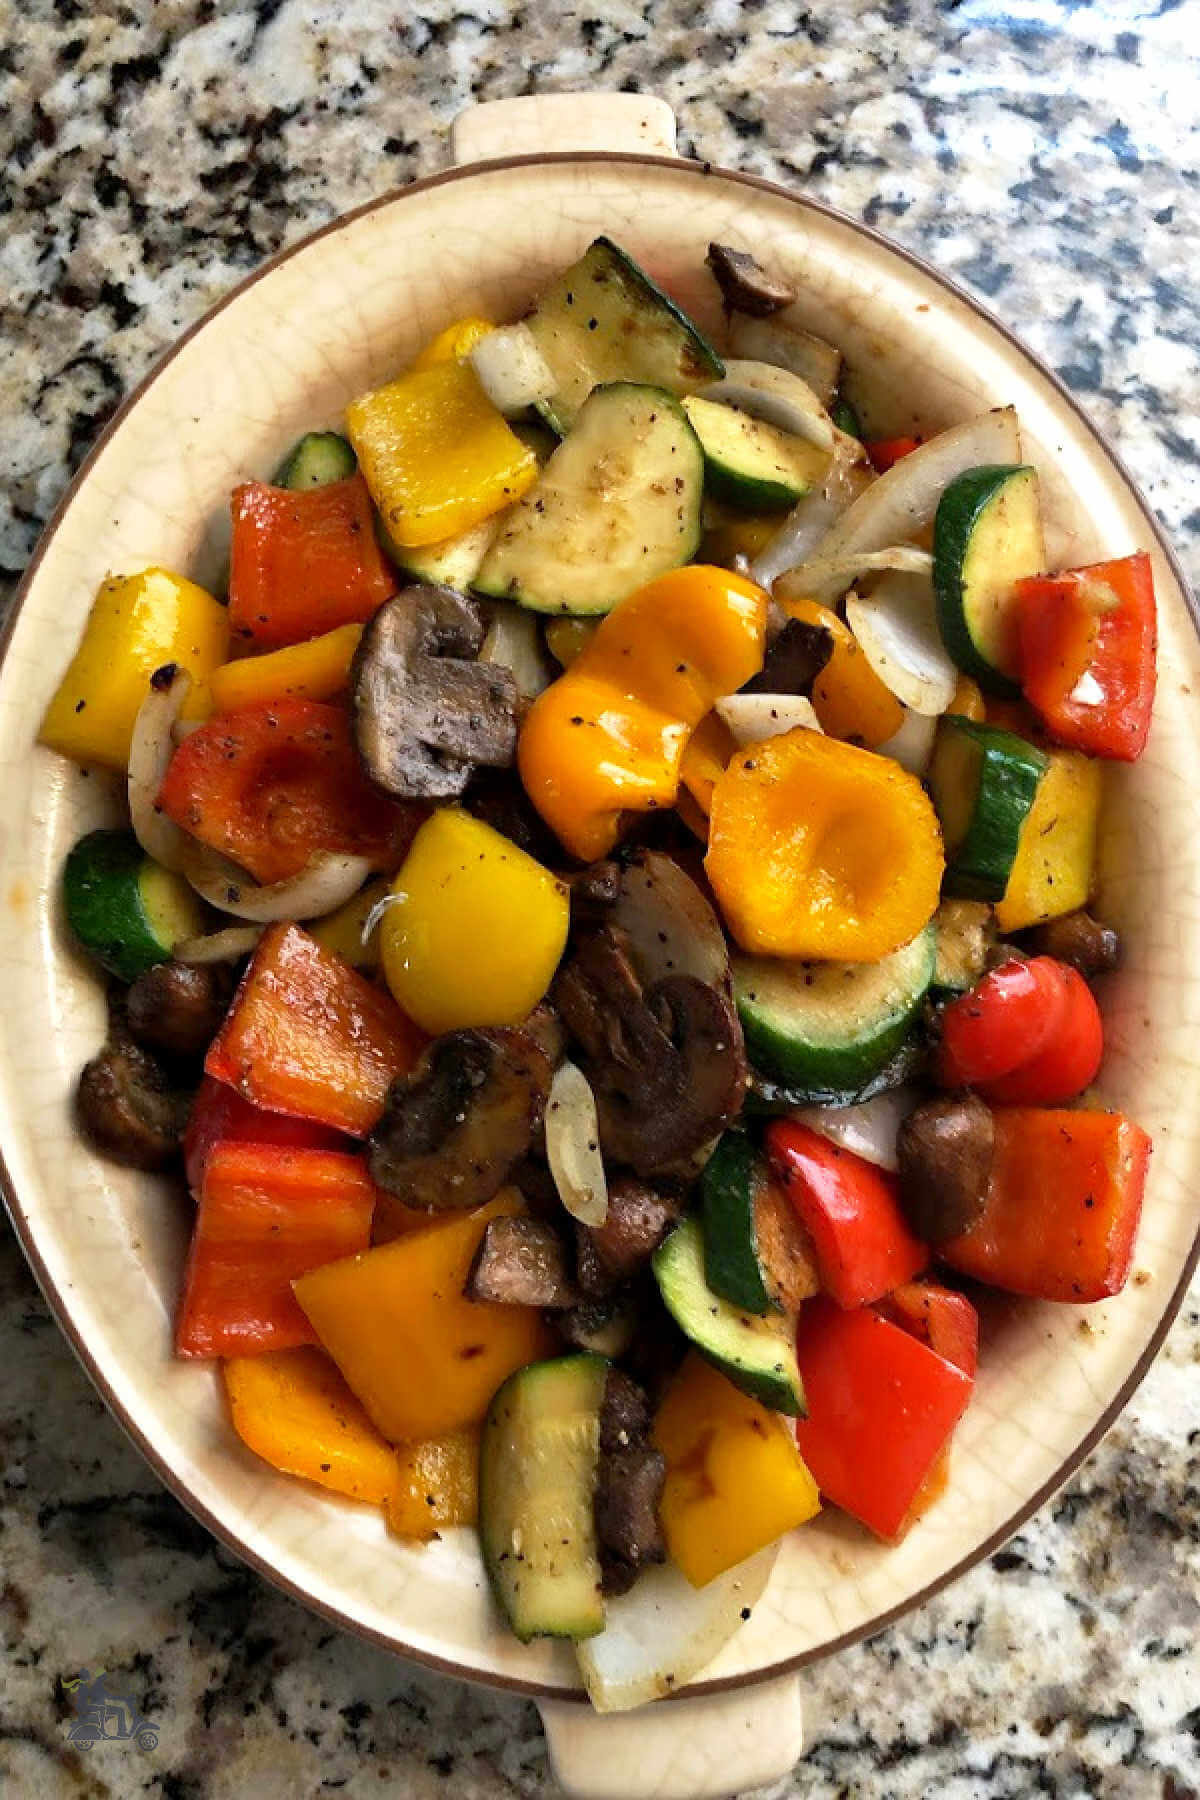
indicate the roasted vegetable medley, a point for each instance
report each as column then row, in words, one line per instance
column 603, row 928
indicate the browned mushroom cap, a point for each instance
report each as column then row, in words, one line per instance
column 667, row 1067
column 639, row 1218
column 128, row 1107
column 945, row 1156
column 178, row 1007
column 745, row 285
column 522, row 1262
column 629, row 1484
column 794, row 660
column 1078, row 939
column 454, row 1127
column 424, row 713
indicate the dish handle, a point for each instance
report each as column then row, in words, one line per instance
column 536, row 124
column 702, row 1749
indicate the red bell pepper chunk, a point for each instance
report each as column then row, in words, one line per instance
column 851, row 1211
column 303, row 562
column 881, row 1406
column 1088, row 642
column 307, row 1035
column 271, row 786
column 882, row 453
column 939, row 1317
column 1027, row 1034
column 267, row 1215
column 219, row 1115
column 1063, row 1205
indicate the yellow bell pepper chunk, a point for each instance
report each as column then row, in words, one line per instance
column 315, row 670
column 729, row 534
column 848, row 697
column 817, row 849
column 476, row 927
column 706, row 759
column 454, row 342
column 437, row 455
column 735, row 1480
column 1056, row 856
column 137, row 623
column 292, row 1408
column 438, row 1485
column 567, row 638
column 423, row 1359
column 342, row 931
column 968, row 701
column 610, row 734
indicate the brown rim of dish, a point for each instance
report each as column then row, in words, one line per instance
column 178, row 1487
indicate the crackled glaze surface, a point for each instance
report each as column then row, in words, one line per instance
column 1081, row 1590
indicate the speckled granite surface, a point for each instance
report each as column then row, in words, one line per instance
column 1044, row 154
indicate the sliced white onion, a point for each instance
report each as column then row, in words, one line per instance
column 812, row 519
column 573, row 1146
column 150, row 751
column 897, row 630
column 790, row 347
column 777, row 397
column 672, row 928
column 869, row 1129
column 816, row 574
column 327, row 883
column 912, row 745
column 753, row 717
column 902, row 503
column 514, row 641
column 664, row 1631
column 511, row 369
column 219, row 946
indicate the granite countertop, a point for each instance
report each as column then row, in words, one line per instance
column 1043, row 153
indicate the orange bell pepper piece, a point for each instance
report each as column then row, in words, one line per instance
column 315, row 670
column 705, row 759
column 848, row 697
column 308, row 1035
column 437, row 1485
column 819, row 849
column 303, row 561
column 1063, row 1205
column 423, row 1359
column 266, row 1215
column 610, row 734
column 292, row 1408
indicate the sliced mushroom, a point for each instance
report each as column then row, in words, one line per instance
column 453, row 1129
column 668, row 1066
column 425, row 714
column 178, row 1007
column 639, row 1218
column 945, row 1155
column 629, row 1485
column 594, row 892
column 522, row 1262
column 1078, row 939
column 546, row 1029
column 624, row 1413
column 128, row 1106
column 744, row 283
column 794, row 661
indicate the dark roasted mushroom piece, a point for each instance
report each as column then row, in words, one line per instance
column 453, row 1128
column 639, row 1218
column 629, row 1483
column 425, row 713
column 744, row 283
column 178, row 1007
column 594, row 892
column 605, row 1327
column 128, row 1106
column 522, row 1262
column 667, row 1066
column 945, row 1155
column 794, row 661
column 497, row 797
column 1078, row 939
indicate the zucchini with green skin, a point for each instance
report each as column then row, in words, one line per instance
column 618, row 503
column 756, row 1253
column 316, row 460
column 770, row 1099
column 453, row 562
column 824, row 1029
column 987, row 536
column 758, row 1354
column 538, row 1461
column 983, row 782
column 604, row 320
column 125, row 909
column 750, row 464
